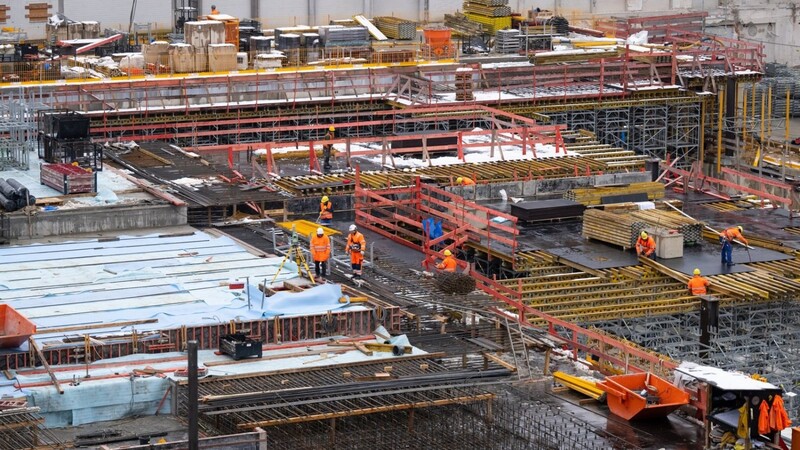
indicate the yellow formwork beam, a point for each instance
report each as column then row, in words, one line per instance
column 585, row 387
column 306, row 227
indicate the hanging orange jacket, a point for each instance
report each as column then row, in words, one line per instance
column 320, row 247
column 449, row 264
column 763, row 417
column 355, row 245
column 778, row 419
column 326, row 211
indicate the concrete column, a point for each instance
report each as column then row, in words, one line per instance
column 194, row 439
column 255, row 9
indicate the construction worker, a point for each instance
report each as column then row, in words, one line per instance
column 646, row 245
column 465, row 181
column 726, row 238
column 356, row 244
column 698, row 284
column 449, row 263
column 214, row 10
column 325, row 211
column 326, row 149
column 321, row 251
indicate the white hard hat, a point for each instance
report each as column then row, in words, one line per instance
column 353, row 227
column 320, row 230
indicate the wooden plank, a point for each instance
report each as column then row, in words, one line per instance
column 92, row 326
column 496, row 359
column 33, row 345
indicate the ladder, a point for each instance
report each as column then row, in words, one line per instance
column 514, row 345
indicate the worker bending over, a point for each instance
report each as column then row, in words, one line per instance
column 646, row 246
column 726, row 238
column 327, row 148
column 698, row 284
column 449, row 263
column 325, row 211
column 465, row 181
column 356, row 244
column 321, row 252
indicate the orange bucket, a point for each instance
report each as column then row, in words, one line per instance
column 437, row 37
column 639, row 396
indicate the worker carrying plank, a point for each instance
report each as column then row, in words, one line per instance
column 726, row 238
column 698, row 284
column 356, row 244
column 327, row 148
column 325, row 210
column 449, row 263
column 465, row 181
column 646, row 246
column 320, row 251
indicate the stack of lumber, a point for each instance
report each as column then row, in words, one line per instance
column 595, row 195
column 691, row 229
column 612, row 228
column 488, row 8
column 461, row 25
column 396, row 28
column 546, row 210
column 464, row 85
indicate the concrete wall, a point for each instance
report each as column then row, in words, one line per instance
column 93, row 220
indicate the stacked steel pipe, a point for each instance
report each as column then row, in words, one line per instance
column 14, row 195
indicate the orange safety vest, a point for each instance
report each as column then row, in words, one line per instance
column 698, row 285
column 645, row 246
column 320, row 247
column 326, row 211
column 732, row 234
column 466, row 181
column 449, row 264
column 355, row 245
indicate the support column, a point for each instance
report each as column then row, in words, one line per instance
column 194, row 443
column 709, row 322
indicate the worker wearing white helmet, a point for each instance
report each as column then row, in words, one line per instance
column 356, row 244
column 320, row 250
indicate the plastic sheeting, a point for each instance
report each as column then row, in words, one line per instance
column 316, row 300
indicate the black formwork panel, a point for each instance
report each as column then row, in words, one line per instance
column 546, row 209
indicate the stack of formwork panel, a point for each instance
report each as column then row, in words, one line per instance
column 616, row 229
column 507, row 41
column 464, row 85
column 460, row 24
column 396, row 28
column 494, row 15
column 336, row 36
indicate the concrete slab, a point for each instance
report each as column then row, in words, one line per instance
column 708, row 260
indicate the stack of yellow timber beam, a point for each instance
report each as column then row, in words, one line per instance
column 726, row 205
column 789, row 268
column 612, row 228
column 396, row 28
column 586, row 387
column 537, row 262
column 744, row 286
column 593, row 195
column 691, row 229
column 585, row 297
column 487, row 8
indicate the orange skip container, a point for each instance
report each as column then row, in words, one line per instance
column 15, row 328
column 625, row 399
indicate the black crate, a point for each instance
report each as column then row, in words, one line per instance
column 239, row 346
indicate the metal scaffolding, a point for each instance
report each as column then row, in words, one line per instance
column 17, row 129
column 752, row 338
column 649, row 129
column 683, row 133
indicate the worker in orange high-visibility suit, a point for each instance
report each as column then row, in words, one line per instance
column 321, row 252
column 214, row 10
column 356, row 244
column 325, row 211
column 698, row 284
column 449, row 263
column 726, row 238
column 646, row 245
column 465, row 181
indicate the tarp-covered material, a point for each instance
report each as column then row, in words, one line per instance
column 719, row 378
column 316, row 300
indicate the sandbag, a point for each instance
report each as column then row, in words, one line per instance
column 8, row 205
column 8, row 191
column 22, row 191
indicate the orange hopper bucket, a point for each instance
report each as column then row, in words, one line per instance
column 15, row 328
column 640, row 396
column 438, row 39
